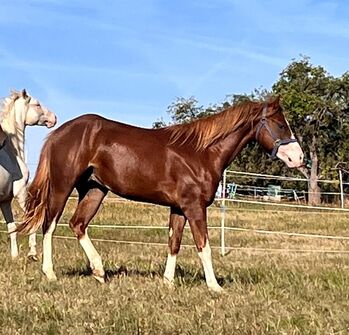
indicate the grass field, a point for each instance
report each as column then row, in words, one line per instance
column 264, row 292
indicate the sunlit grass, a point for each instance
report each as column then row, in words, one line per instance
column 264, row 292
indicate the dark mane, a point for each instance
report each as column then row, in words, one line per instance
column 203, row 132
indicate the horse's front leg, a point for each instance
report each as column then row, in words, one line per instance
column 196, row 216
column 11, row 227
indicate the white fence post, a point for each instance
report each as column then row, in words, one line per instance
column 341, row 187
column 223, row 213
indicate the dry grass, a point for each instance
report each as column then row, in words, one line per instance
column 264, row 292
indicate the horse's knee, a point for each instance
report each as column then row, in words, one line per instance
column 201, row 240
column 174, row 247
column 78, row 228
column 174, row 243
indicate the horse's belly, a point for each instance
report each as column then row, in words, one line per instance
column 142, row 188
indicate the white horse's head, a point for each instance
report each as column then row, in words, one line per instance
column 31, row 112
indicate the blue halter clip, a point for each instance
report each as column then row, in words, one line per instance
column 277, row 141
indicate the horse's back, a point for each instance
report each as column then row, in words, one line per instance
column 91, row 131
column 88, row 137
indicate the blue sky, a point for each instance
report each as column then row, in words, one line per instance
column 129, row 60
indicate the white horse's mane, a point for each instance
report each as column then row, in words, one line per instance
column 9, row 123
column 7, row 103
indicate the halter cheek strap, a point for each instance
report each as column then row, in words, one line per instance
column 277, row 141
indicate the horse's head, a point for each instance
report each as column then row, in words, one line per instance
column 35, row 112
column 274, row 134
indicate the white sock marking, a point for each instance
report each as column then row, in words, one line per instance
column 32, row 245
column 47, row 265
column 92, row 254
column 13, row 239
column 170, row 267
column 206, row 259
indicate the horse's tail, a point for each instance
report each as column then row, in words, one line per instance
column 37, row 201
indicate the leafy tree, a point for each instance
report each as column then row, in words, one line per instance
column 317, row 108
column 317, row 105
column 183, row 110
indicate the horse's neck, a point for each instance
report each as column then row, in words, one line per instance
column 225, row 150
column 15, row 132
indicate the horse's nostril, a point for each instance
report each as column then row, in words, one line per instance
column 289, row 159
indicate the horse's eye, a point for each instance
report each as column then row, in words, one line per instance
column 281, row 127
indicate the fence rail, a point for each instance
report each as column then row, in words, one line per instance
column 223, row 207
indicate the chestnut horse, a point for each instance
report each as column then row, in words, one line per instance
column 178, row 166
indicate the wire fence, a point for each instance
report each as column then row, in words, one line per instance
column 222, row 204
column 265, row 187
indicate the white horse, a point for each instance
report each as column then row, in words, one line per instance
column 18, row 111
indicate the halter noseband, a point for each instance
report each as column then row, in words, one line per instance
column 277, row 141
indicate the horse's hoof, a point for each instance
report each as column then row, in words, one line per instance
column 216, row 289
column 51, row 276
column 14, row 257
column 99, row 276
column 99, row 279
column 33, row 258
column 169, row 283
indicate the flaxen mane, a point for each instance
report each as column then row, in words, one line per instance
column 7, row 104
column 204, row 132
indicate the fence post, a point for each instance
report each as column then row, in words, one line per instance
column 341, row 187
column 223, row 213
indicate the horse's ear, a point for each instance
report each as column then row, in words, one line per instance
column 24, row 94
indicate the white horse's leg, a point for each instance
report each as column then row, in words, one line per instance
column 47, row 265
column 11, row 226
column 20, row 191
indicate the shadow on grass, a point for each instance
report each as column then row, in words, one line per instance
column 121, row 271
column 185, row 276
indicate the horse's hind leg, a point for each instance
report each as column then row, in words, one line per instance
column 57, row 202
column 21, row 193
column 11, row 226
column 176, row 226
column 91, row 195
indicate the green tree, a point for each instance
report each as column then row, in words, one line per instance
column 317, row 109
column 183, row 110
